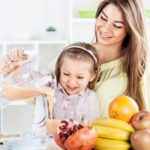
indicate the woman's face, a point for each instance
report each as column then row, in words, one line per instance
column 110, row 26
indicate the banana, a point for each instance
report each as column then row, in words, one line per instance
column 107, row 144
column 115, row 123
column 112, row 133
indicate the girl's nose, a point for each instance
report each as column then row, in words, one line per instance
column 72, row 81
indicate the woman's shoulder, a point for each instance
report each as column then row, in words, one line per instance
column 111, row 71
column 117, row 63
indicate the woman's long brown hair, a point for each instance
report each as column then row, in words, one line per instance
column 134, row 47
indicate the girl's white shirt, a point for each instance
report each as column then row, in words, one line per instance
column 82, row 107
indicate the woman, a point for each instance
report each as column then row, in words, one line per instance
column 122, row 45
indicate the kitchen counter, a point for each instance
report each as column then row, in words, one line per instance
column 28, row 143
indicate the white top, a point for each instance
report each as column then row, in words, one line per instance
column 82, row 107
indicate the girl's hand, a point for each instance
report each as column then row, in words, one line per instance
column 50, row 98
column 12, row 60
column 17, row 54
column 7, row 66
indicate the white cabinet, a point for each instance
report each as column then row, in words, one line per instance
column 30, row 30
column 16, row 119
column 26, row 27
column 45, row 48
column 82, row 29
column 147, row 14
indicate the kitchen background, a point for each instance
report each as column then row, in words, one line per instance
column 24, row 23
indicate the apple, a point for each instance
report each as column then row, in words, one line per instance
column 140, row 139
column 141, row 120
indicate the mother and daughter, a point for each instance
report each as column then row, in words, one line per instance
column 116, row 64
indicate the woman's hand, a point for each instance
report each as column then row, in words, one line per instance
column 12, row 60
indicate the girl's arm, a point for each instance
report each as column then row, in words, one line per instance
column 16, row 93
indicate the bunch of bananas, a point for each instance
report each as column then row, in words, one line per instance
column 113, row 134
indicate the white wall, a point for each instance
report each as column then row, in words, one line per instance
column 17, row 119
column 147, row 7
column 20, row 19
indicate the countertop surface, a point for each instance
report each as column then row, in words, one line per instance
column 28, row 143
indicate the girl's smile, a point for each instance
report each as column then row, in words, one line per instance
column 75, row 75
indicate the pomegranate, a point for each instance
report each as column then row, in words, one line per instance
column 71, row 135
column 141, row 120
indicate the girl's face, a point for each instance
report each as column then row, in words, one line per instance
column 75, row 75
column 110, row 27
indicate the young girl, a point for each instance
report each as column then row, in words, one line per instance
column 76, row 72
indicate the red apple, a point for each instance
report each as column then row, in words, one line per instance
column 140, row 139
column 141, row 120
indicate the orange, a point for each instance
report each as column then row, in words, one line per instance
column 123, row 108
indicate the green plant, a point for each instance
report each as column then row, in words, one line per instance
column 51, row 29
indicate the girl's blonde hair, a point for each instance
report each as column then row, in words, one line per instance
column 134, row 47
column 76, row 52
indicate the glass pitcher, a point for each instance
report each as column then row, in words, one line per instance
column 28, row 80
column 32, row 78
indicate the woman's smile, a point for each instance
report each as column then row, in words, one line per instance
column 104, row 36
